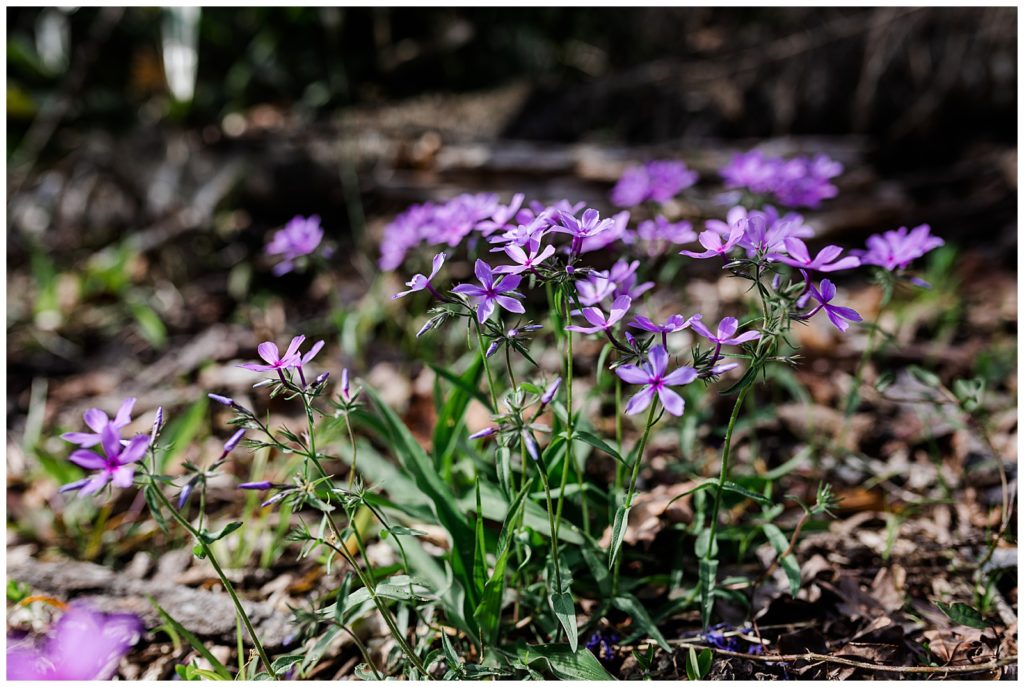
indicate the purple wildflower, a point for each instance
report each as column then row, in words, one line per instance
column 897, row 249
column 274, row 359
column 502, row 216
column 588, row 226
column 419, row 282
column 657, row 180
column 839, row 315
column 725, row 335
column 232, row 443
column 503, row 292
column 84, row 645
column 596, row 317
column 797, row 182
column 526, row 262
column 595, row 288
column 675, row 323
column 827, row 259
column 602, row 644
column 116, row 466
column 623, row 275
column 300, row 237
column 616, row 232
column 525, row 235
column 652, row 375
column 713, row 244
column 96, row 420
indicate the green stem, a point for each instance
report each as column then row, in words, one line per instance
column 352, row 441
column 487, row 365
column 723, row 475
column 208, row 552
column 632, row 484
column 552, row 527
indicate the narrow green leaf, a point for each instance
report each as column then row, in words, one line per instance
column 480, row 547
column 631, row 606
column 788, row 563
column 698, row 665
column 565, row 611
column 708, row 569
column 564, row 663
column 618, row 533
column 488, row 613
column 962, row 614
column 599, row 444
column 217, row 666
column 743, row 491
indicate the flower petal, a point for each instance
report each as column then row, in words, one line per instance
column 111, row 440
column 510, row 304
column 83, row 439
column 123, row 476
column 639, row 401
column 483, row 272
column 672, row 401
column 268, row 351
column 135, row 450
column 680, row 376
column 96, row 483
column 312, row 352
column 727, row 327
column 87, row 459
column 124, row 413
column 631, row 374
column 293, row 347
column 659, row 360
column 95, row 419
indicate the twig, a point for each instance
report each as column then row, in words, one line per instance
column 788, row 658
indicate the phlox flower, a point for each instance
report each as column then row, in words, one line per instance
column 656, row 382
column 95, row 419
column 115, row 466
column 502, row 216
column 596, row 317
column 897, row 249
column 659, row 233
column 419, row 282
column 589, row 225
column 839, row 315
column 596, row 288
column 713, row 244
column 299, row 237
column 615, row 232
column 725, row 334
column 675, row 323
column 827, row 259
column 83, row 645
column 525, row 262
column 623, row 275
column 657, row 180
column 491, row 291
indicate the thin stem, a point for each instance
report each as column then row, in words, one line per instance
column 723, row 475
column 208, row 552
column 632, row 485
column 352, row 441
column 487, row 365
column 569, row 457
column 552, row 527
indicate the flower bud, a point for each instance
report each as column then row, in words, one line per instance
column 231, row 443
column 493, row 348
column 484, row 433
column 186, row 491
column 549, row 393
column 158, row 422
column 425, row 328
column 223, row 400
column 257, row 486
column 345, row 391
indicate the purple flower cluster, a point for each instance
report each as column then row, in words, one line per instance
column 602, row 643
column 84, row 645
column 300, row 237
column 658, row 181
column 797, row 182
column 116, row 464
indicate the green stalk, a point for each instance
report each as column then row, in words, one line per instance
column 487, row 365
column 723, row 475
column 208, row 552
column 632, row 484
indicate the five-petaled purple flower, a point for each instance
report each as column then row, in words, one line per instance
column 503, row 291
column 713, row 244
column 725, row 336
column 652, row 375
column 526, row 262
column 675, row 323
column 277, row 362
column 588, row 226
column 300, row 237
column 419, row 282
column 84, row 645
column 827, row 259
column 595, row 316
column 115, row 467
column 96, row 420
column 897, row 249
column 839, row 315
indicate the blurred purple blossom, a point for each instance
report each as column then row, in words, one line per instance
column 83, row 645
column 897, row 249
column 827, row 259
column 713, row 244
column 797, row 182
column 657, row 235
column 657, row 180
column 526, row 262
column 301, row 236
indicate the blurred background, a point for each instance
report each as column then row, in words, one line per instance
column 151, row 152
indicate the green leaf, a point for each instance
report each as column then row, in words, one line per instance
column 743, row 491
column 708, row 569
column 451, row 415
column 698, row 665
column 155, row 508
column 789, row 563
column 454, row 662
column 599, row 444
column 217, row 666
column 466, row 381
column 179, row 432
column 480, row 547
column 150, row 325
column 962, row 614
column 631, row 606
column 488, row 613
column 564, row 663
column 210, row 537
column 618, row 533
column 565, row 611
column 415, row 463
